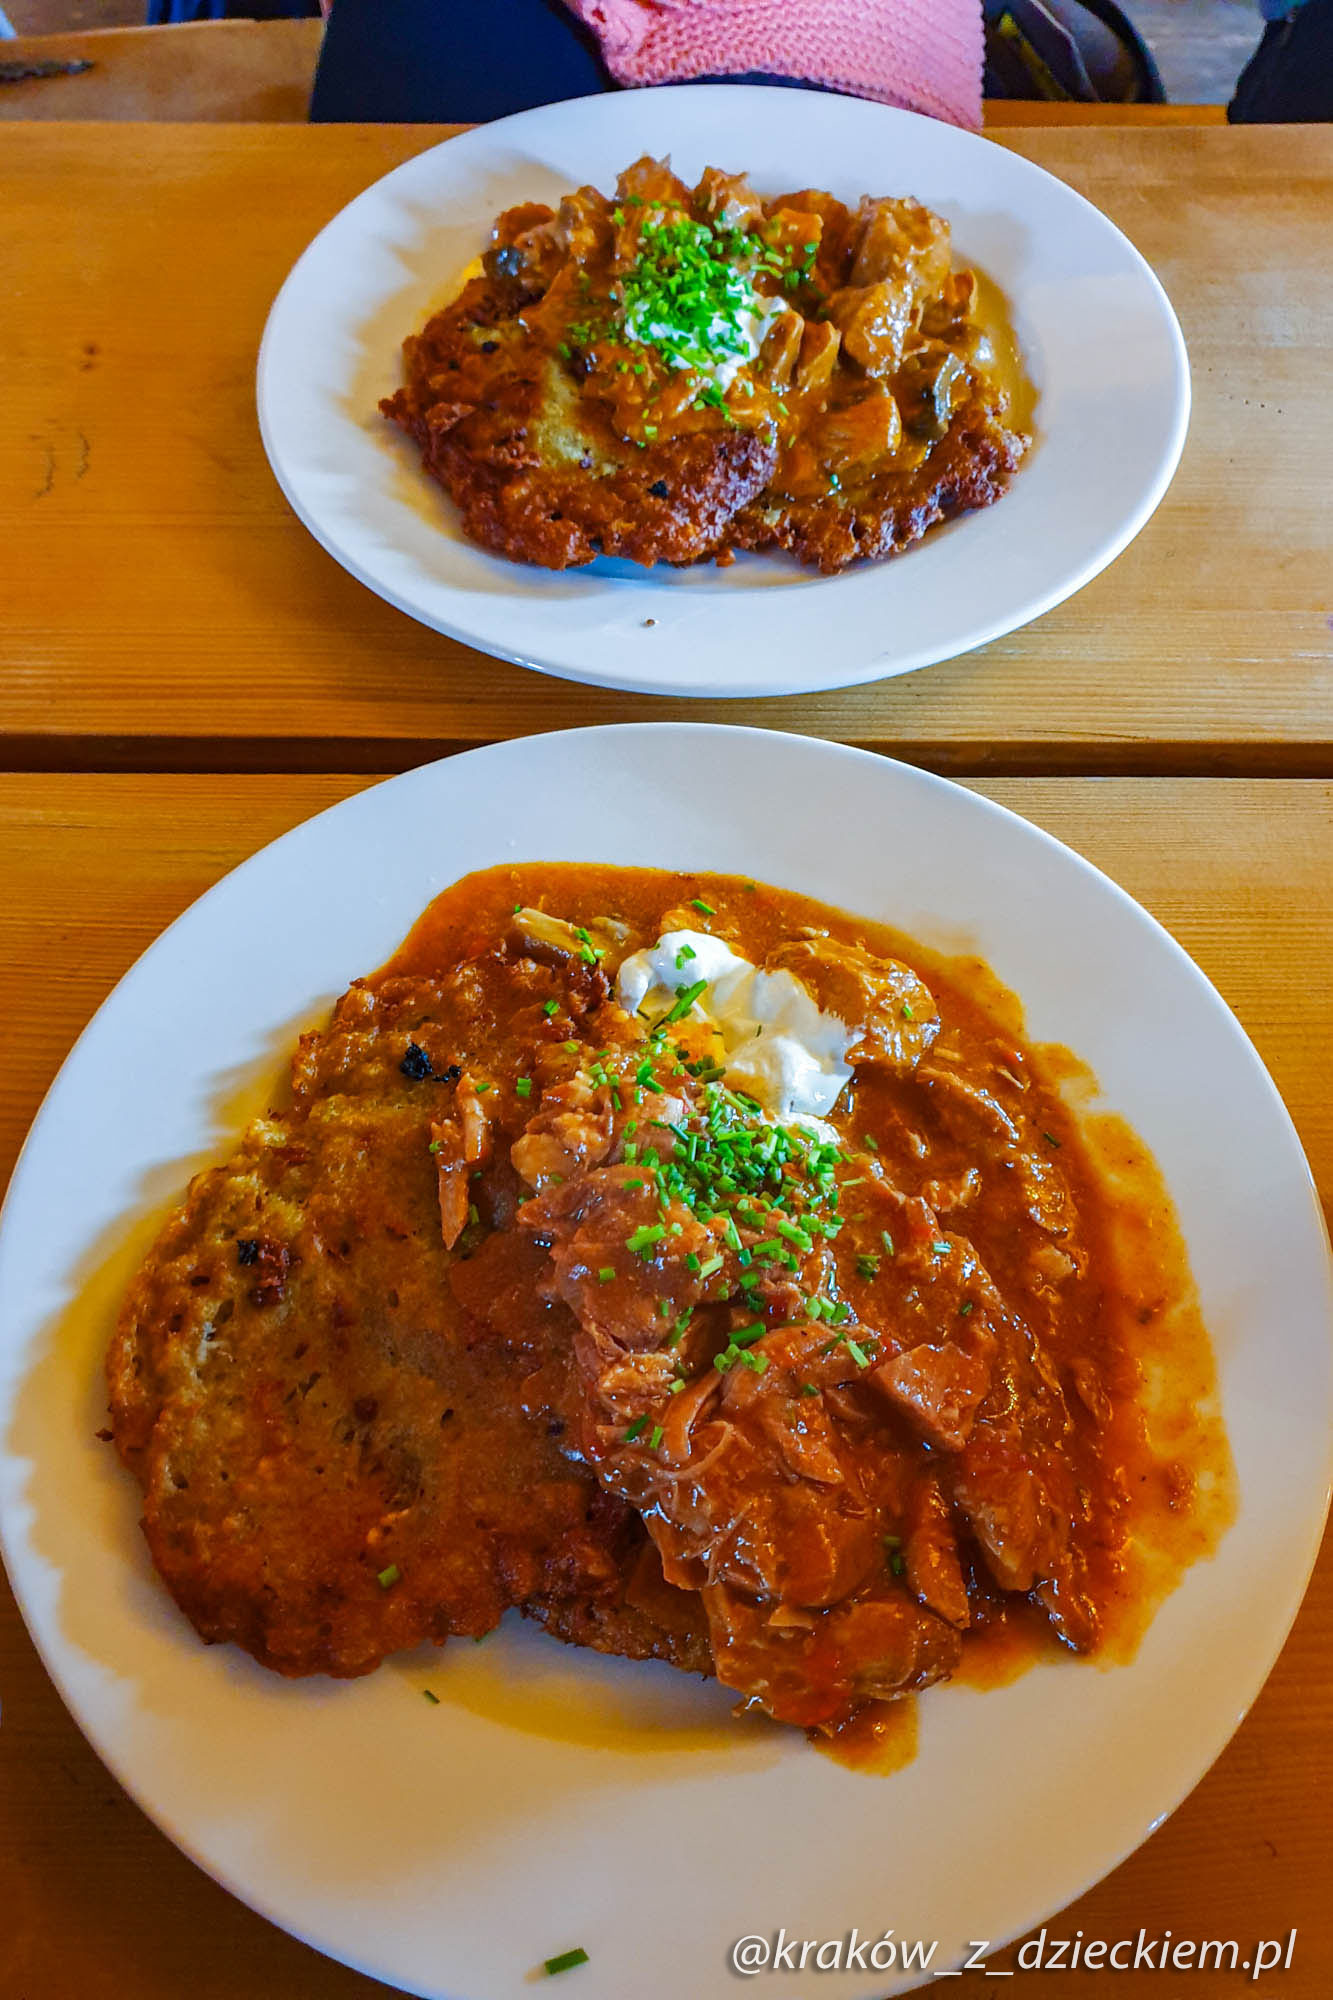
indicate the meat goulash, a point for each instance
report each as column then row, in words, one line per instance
column 676, row 1260
column 680, row 373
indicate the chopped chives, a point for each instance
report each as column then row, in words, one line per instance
column 655, row 1437
column 606, row 1274
column 523, row 1086
column 565, row 1961
column 685, row 999
column 632, row 1430
column 698, row 903
column 433, row 1699
column 387, row 1578
column 551, row 1007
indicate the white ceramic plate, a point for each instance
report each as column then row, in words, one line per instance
column 1100, row 340
column 553, row 1799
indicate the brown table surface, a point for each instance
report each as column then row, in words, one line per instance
column 141, row 279
column 187, row 675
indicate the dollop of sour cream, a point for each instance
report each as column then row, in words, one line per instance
column 776, row 1044
column 718, row 353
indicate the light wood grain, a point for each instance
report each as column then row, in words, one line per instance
column 158, row 589
column 99, row 1906
column 999, row 113
column 201, row 69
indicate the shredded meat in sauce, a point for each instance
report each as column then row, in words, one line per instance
column 522, row 1303
column 675, row 373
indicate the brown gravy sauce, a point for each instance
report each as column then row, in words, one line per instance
column 1169, row 1487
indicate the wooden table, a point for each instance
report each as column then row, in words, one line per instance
column 187, row 674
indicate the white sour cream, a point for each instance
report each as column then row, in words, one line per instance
column 720, row 360
column 777, row 1045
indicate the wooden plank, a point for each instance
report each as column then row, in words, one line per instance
column 164, row 607
column 1001, row 113
column 100, row 1905
column 259, row 70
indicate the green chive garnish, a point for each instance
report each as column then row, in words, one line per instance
column 387, row 1578
column 565, row 1961
column 685, row 999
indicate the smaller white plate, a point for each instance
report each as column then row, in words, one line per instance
column 1099, row 339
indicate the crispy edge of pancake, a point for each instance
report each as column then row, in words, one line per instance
column 971, row 467
column 533, row 480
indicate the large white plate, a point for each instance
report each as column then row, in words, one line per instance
column 1100, row 339
column 597, row 1803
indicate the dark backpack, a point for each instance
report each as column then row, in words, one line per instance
column 1289, row 78
column 1067, row 51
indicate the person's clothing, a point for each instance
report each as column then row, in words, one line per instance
column 925, row 55
column 1289, row 78
column 427, row 61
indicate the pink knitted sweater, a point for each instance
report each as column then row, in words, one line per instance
column 923, row 54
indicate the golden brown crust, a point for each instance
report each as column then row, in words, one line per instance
column 336, row 1463
column 969, row 468
column 535, row 476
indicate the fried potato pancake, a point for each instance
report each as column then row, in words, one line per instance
column 335, row 1456
column 534, row 472
column 679, row 373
